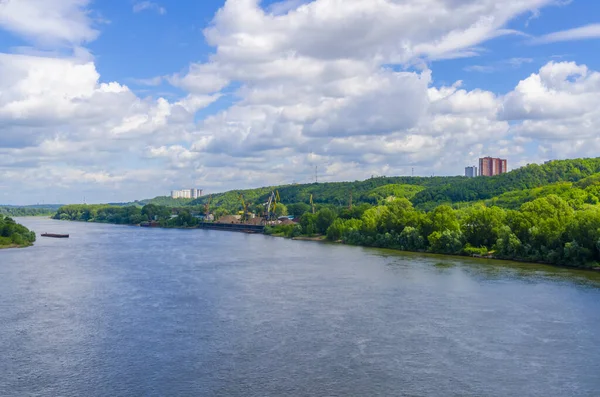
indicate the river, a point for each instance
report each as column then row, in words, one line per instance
column 126, row 311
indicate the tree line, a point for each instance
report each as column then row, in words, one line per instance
column 547, row 229
column 27, row 211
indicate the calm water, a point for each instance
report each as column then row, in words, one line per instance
column 124, row 311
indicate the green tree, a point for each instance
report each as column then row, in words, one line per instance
column 446, row 242
column 481, row 225
column 324, row 218
column 411, row 240
column 281, row 210
column 308, row 221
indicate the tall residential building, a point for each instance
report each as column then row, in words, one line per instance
column 471, row 172
column 490, row 166
column 186, row 193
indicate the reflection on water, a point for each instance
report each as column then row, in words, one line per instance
column 120, row 310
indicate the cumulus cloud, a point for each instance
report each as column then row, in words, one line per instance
column 557, row 107
column 48, row 22
column 346, row 86
column 317, row 77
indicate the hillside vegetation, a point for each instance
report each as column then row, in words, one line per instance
column 531, row 176
column 14, row 235
column 548, row 213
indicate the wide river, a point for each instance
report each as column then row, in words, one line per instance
column 126, row 311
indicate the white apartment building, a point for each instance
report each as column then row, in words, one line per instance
column 186, row 193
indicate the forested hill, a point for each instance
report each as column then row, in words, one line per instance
column 335, row 193
column 531, row 176
column 431, row 192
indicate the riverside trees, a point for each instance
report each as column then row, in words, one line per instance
column 14, row 235
column 548, row 229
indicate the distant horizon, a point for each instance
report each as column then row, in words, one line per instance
column 251, row 188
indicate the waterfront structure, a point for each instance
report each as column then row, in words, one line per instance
column 186, row 193
column 471, row 172
column 490, row 166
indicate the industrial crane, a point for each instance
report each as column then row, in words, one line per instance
column 275, row 202
column 244, row 208
column 271, row 205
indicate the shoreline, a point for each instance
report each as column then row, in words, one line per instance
column 14, row 246
column 323, row 239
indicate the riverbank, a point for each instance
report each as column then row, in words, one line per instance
column 323, row 239
column 12, row 246
column 240, row 228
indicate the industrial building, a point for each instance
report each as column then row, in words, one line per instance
column 471, row 172
column 490, row 166
column 186, row 193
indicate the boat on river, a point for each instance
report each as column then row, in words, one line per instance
column 54, row 235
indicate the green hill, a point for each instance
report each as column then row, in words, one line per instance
column 531, row 176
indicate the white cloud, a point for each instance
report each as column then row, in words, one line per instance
column 558, row 107
column 149, row 6
column 591, row 31
column 348, row 86
column 48, row 22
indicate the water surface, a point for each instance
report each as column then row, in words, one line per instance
column 126, row 311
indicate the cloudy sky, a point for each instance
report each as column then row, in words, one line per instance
column 115, row 100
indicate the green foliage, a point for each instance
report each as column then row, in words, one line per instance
column 101, row 213
column 14, row 234
column 308, row 223
column 393, row 191
column 131, row 215
column 575, row 196
column 298, row 209
column 470, row 250
column 289, row 231
column 508, row 244
column 445, row 242
column 356, row 212
column 411, row 240
column 481, row 225
column 531, row 176
column 323, row 219
column 28, row 210
column 342, row 227
column 281, row 210
column 163, row 201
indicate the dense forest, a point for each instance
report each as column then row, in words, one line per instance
column 14, row 235
column 28, row 211
column 548, row 213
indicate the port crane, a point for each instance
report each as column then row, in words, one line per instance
column 244, row 208
column 271, row 205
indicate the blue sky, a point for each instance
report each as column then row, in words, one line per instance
column 118, row 100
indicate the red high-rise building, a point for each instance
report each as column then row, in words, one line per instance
column 490, row 166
